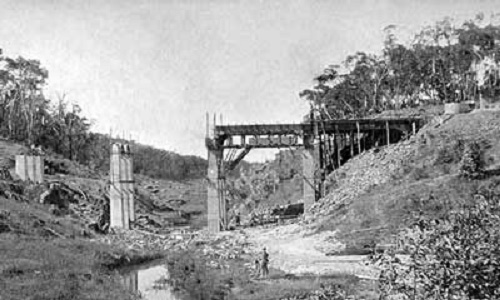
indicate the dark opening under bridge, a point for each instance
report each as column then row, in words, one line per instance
column 325, row 146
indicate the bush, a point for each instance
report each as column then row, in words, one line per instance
column 192, row 272
column 450, row 153
column 472, row 166
column 419, row 173
column 455, row 257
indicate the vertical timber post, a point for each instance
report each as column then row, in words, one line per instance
column 388, row 133
column 414, row 128
column 351, row 141
column 359, row 138
column 338, row 140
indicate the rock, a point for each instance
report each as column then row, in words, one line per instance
column 57, row 196
column 44, row 197
column 4, row 228
column 53, row 209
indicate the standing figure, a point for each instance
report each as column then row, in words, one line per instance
column 257, row 267
column 237, row 219
column 265, row 263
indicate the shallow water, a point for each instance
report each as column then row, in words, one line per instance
column 143, row 279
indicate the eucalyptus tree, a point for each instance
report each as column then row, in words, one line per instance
column 24, row 97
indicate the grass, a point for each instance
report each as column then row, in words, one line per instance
column 37, row 268
column 428, row 183
column 190, row 271
column 377, row 215
column 279, row 287
column 36, row 265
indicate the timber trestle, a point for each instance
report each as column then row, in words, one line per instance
column 325, row 146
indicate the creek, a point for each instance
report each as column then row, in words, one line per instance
column 149, row 280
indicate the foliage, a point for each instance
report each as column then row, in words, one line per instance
column 443, row 63
column 191, row 272
column 258, row 185
column 452, row 257
column 28, row 116
column 472, row 165
column 167, row 165
column 450, row 153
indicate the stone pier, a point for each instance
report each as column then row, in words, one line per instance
column 121, row 190
column 30, row 168
column 217, row 213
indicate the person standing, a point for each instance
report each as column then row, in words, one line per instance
column 257, row 268
column 265, row 263
column 237, row 218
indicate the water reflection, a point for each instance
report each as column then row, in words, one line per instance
column 145, row 282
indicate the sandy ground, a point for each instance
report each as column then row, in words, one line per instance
column 292, row 249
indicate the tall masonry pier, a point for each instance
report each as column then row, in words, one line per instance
column 324, row 144
column 121, row 190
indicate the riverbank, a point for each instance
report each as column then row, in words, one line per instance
column 35, row 267
column 58, row 268
column 222, row 266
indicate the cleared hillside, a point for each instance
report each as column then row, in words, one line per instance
column 383, row 190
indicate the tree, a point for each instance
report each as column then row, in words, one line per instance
column 443, row 63
column 23, row 95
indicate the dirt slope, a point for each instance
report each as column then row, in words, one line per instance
column 375, row 195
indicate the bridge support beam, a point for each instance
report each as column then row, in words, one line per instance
column 217, row 213
column 310, row 163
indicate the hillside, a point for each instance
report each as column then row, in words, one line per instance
column 54, row 249
column 258, row 186
column 378, row 193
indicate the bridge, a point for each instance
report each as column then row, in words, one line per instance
column 325, row 146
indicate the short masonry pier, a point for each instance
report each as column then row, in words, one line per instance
column 325, row 146
column 30, row 168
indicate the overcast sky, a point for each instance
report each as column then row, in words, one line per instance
column 153, row 68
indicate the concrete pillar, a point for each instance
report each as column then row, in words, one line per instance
column 38, row 168
column 215, row 192
column 21, row 170
column 121, row 187
column 130, row 281
column 115, row 188
column 115, row 206
column 30, row 168
column 310, row 163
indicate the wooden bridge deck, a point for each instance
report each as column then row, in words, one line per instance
column 337, row 126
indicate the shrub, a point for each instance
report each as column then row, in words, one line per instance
column 419, row 173
column 450, row 153
column 194, row 273
column 455, row 257
column 472, row 166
